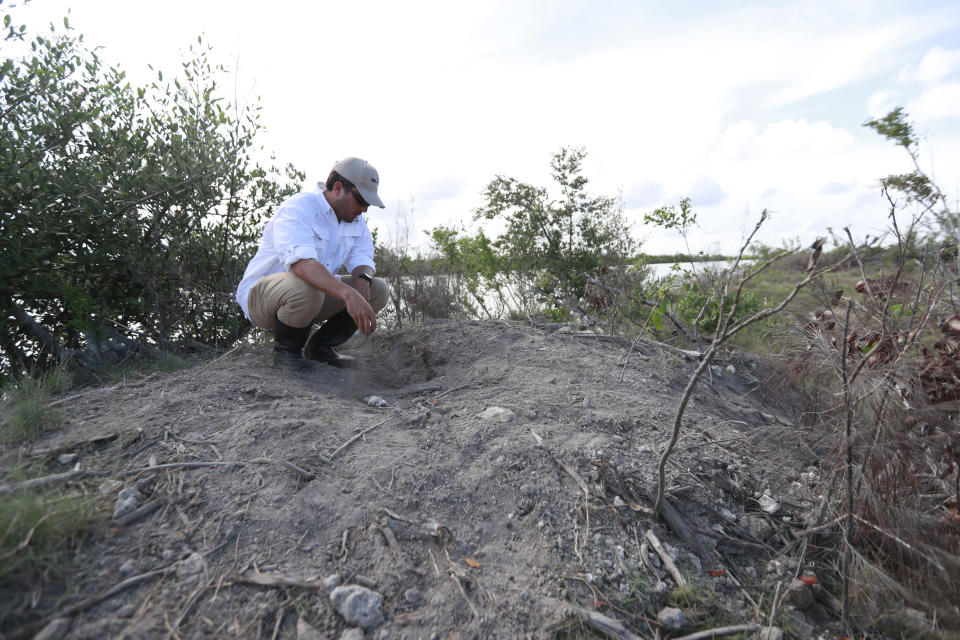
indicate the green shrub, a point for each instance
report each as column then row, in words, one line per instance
column 691, row 302
column 37, row 532
column 26, row 408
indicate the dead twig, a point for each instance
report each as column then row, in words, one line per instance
column 665, row 557
column 45, row 480
column 83, row 605
column 80, row 395
column 604, row 624
column 303, row 473
column 210, row 364
column 463, row 592
column 360, row 435
column 720, row 632
column 139, row 512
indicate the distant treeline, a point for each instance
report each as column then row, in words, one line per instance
column 681, row 257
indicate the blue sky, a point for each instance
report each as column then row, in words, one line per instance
column 740, row 105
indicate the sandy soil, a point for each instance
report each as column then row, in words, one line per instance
column 468, row 526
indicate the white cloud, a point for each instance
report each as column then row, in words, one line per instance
column 936, row 65
column 937, row 102
column 881, row 102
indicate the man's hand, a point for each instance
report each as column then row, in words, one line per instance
column 317, row 276
column 361, row 311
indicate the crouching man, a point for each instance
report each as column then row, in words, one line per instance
column 289, row 284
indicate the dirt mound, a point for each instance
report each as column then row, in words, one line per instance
column 469, row 521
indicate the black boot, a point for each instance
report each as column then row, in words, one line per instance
column 334, row 331
column 288, row 346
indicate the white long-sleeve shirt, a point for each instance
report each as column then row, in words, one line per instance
column 304, row 227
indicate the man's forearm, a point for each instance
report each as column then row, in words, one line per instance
column 319, row 277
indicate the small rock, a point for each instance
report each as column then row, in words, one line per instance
column 672, row 618
column 587, row 403
column 191, row 565
column 799, row 595
column 353, row 633
column 127, row 567
column 728, row 515
column 618, row 502
column 530, row 414
column 167, row 554
column 358, row 605
column 54, row 630
column 127, row 611
column 759, row 526
column 770, row 633
column 306, row 631
column 717, row 371
column 731, row 369
column 330, row 583
column 127, row 501
column 109, row 486
column 768, row 504
column 528, row 490
column 644, row 448
column 67, row 458
column 499, row 460
column 412, row 596
column 376, row 401
column 497, row 414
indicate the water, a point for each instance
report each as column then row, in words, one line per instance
column 664, row 269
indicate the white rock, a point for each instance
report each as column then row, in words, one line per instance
column 353, row 633
column 770, row 633
column 768, row 504
column 497, row 414
column 359, row 606
column 376, row 401
column 306, row 631
column 330, row 583
column 127, row 501
column 191, row 565
column 731, row 369
column 67, row 458
column 672, row 618
column 726, row 514
column 618, row 502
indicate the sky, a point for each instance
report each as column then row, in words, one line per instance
column 739, row 105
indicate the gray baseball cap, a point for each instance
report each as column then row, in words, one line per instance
column 364, row 176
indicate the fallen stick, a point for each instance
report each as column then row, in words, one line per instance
column 604, row 624
column 182, row 465
column 221, row 357
column 139, row 512
column 57, row 477
column 360, row 435
column 443, row 393
column 303, row 473
column 719, row 632
column 77, row 395
column 473, row 609
column 31, row 628
column 665, row 557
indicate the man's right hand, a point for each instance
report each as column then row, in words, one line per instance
column 361, row 312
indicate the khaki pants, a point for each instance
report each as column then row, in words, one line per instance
column 297, row 304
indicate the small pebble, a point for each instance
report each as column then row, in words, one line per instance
column 127, row 568
column 67, row 458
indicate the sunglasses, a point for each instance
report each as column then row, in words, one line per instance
column 359, row 198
